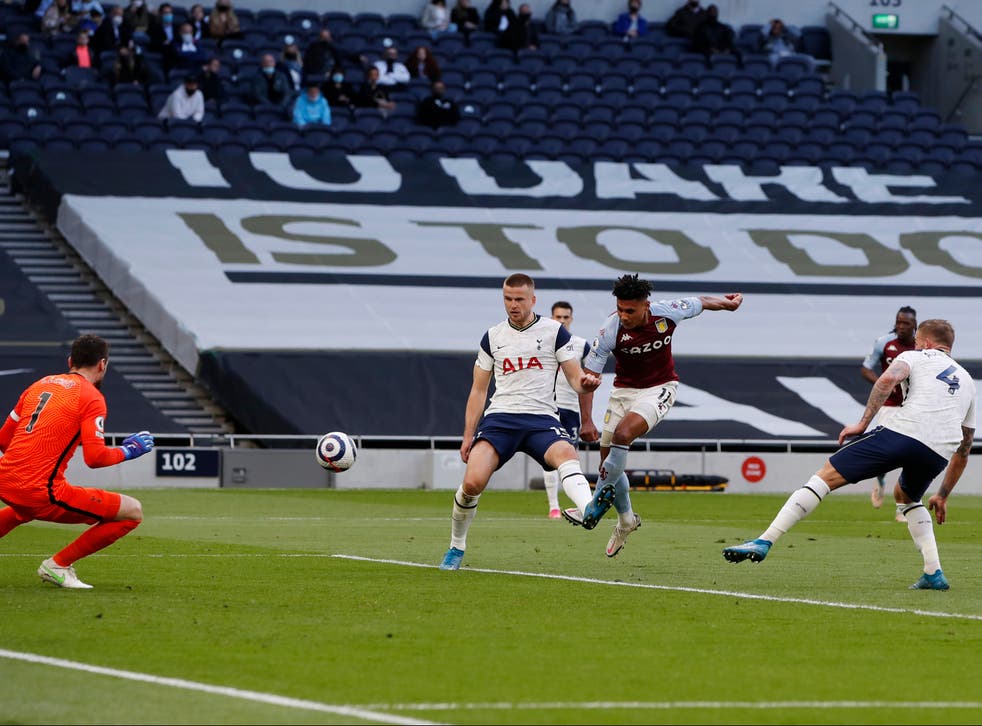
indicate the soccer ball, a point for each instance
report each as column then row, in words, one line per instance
column 336, row 451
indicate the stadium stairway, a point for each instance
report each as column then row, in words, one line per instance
column 63, row 276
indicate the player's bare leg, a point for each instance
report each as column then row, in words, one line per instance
column 60, row 570
column 481, row 463
column 876, row 494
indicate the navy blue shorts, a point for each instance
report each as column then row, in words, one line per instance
column 882, row 450
column 570, row 420
column 531, row 434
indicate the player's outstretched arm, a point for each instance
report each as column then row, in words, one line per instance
column 959, row 460
column 730, row 301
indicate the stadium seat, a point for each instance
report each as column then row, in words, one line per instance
column 724, row 64
column 691, row 63
column 953, row 135
column 756, row 65
column 816, row 42
column 795, row 66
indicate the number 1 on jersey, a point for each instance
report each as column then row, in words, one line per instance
column 42, row 402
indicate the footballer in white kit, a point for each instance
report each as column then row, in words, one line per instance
column 931, row 432
column 574, row 413
column 522, row 355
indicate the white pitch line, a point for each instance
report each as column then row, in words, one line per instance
column 671, row 705
column 255, row 696
column 696, row 590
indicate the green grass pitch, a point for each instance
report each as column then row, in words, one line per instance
column 262, row 593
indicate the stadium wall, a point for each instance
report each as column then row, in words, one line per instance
column 748, row 469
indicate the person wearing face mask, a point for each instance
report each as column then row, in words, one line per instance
column 186, row 102
column 561, row 18
column 685, row 20
column 223, row 22
column 18, row 63
column 113, row 33
column 632, row 24
column 291, row 65
column 392, row 73
column 338, row 91
column 162, row 31
column 185, row 53
column 437, row 110
column 270, row 87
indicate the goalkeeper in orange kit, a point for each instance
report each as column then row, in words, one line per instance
column 52, row 417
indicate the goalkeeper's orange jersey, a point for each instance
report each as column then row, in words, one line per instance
column 43, row 431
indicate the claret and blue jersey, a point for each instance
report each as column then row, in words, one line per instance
column 643, row 354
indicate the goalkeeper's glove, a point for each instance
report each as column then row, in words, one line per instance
column 137, row 445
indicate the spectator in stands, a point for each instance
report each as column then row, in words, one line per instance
column 561, row 18
column 423, row 64
column 310, row 106
column 778, row 42
column 465, row 17
column 129, row 68
column 338, row 91
column 632, row 24
column 501, row 20
column 270, row 87
column 58, row 19
column 113, row 33
column 185, row 53
column 685, row 20
column 19, row 63
column 199, row 22
column 89, row 23
column 324, row 54
column 526, row 34
column 436, row 19
column 291, row 65
column 437, row 110
column 223, row 22
column 186, row 102
column 392, row 73
column 137, row 16
column 713, row 37
column 162, row 31
column 373, row 95
column 211, row 83
column 90, row 11
column 81, row 55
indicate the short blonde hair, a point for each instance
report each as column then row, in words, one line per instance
column 938, row 330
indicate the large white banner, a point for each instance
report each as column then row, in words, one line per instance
column 249, row 275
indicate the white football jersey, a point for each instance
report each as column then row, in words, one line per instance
column 939, row 400
column 525, row 362
column 566, row 397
